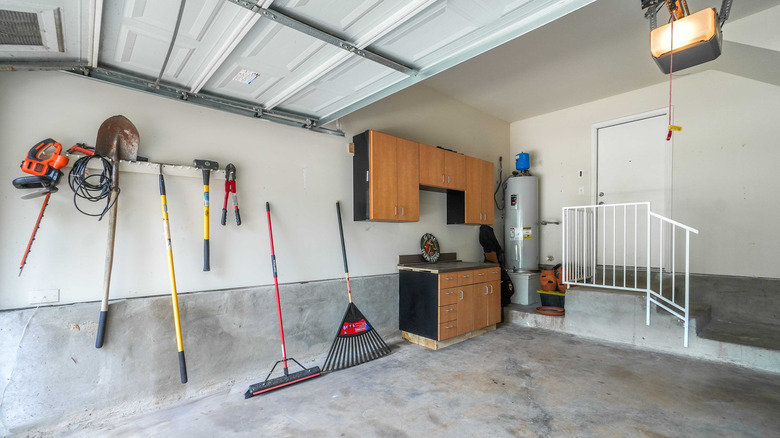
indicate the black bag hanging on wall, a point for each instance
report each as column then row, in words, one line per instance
column 489, row 242
column 487, row 238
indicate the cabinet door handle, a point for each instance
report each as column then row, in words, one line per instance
column 486, row 290
column 402, row 211
column 449, row 278
column 481, row 274
column 442, row 178
column 461, row 294
column 395, row 210
column 448, row 179
column 491, row 288
column 449, row 310
column 449, row 326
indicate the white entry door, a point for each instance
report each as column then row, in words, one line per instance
column 633, row 164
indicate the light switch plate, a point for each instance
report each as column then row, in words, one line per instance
column 44, row 296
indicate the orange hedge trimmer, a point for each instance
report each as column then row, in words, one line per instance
column 43, row 162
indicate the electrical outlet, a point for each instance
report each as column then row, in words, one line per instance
column 581, row 190
column 550, row 258
column 44, row 296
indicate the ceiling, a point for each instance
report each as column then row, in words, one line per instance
column 599, row 51
column 299, row 62
column 306, row 63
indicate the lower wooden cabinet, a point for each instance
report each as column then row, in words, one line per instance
column 442, row 306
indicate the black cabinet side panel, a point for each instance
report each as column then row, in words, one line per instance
column 418, row 303
column 456, row 207
column 360, row 177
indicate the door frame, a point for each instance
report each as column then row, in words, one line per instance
column 668, row 162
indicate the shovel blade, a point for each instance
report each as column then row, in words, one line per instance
column 117, row 137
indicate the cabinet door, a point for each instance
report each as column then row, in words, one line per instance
column 465, row 308
column 473, row 194
column 481, row 298
column 494, row 303
column 408, row 177
column 487, row 192
column 455, row 170
column 383, row 174
column 432, row 166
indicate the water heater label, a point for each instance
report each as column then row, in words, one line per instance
column 513, row 233
column 527, row 233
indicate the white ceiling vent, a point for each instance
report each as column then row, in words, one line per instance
column 37, row 30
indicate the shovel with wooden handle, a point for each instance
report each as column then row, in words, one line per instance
column 117, row 139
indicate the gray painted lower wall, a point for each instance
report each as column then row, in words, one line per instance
column 51, row 372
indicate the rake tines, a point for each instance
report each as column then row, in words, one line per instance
column 356, row 342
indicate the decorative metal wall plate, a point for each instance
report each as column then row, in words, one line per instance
column 429, row 247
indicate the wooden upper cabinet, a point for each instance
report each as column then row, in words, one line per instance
column 455, row 170
column 386, row 178
column 478, row 198
column 408, row 182
column 487, row 194
column 473, row 195
column 431, row 166
column 442, row 168
column 383, row 169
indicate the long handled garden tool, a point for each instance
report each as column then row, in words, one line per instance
column 287, row 378
column 356, row 341
column 117, row 139
column 206, row 167
column 174, row 298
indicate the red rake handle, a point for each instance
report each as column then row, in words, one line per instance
column 276, row 285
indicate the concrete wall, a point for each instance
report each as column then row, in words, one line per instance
column 53, row 375
column 300, row 173
column 724, row 160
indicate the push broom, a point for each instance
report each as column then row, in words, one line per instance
column 287, row 379
column 356, row 341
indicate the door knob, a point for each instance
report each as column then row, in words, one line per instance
column 601, row 194
column 601, row 203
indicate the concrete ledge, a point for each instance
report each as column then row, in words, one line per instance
column 619, row 316
column 51, row 371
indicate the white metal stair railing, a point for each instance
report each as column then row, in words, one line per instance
column 614, row 246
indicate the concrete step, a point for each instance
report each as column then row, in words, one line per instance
column 755, row 333
column 619, row 316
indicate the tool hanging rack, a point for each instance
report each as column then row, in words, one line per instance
column 151, row 168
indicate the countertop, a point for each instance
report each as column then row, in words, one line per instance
column 442, row 267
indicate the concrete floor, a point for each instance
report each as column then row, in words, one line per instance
column 515, row 381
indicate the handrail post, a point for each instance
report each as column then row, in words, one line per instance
column 687, row 285
column 649, row 264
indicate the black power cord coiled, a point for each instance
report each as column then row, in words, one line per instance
column 93, row 187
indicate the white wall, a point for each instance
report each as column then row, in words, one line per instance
column 300, row 173
column 725, row 177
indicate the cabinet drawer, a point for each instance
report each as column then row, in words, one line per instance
column 448, row 296
column 448, row 330
column 481, row 276
column 465, row 277
column 447, row 280
column 448, row 313
column 494, row 274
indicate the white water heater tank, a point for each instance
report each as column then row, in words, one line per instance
column 521, row 224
